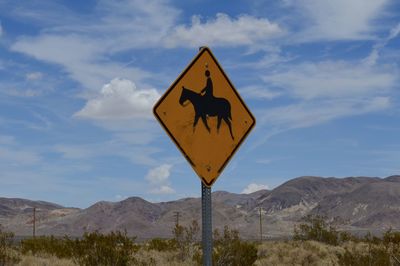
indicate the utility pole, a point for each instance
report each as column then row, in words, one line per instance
column 34, row 222
column 261, row 237
column 177, row 214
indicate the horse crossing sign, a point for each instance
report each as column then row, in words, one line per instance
column 205, row 116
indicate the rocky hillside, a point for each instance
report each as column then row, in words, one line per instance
column 354, row 203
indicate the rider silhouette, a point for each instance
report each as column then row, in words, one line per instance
column 208, row 90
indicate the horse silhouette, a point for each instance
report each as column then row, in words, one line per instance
column 208, row 106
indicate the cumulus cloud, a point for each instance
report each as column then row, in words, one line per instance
column 223, row 31
column 158, row 178
column 120, row 99
column 159, row 174
column 253, row 187
column 163, row 190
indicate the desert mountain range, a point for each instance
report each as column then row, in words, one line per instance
column 356, row 204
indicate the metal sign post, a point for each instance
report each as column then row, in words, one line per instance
column 207, row 241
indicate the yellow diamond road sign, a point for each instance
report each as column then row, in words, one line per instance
column 205, row 116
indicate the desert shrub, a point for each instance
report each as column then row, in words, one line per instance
column 229, row 249
column 375, row 251
column 115, row 248
column 297, row 253
column 51, row 245
column 8, row 255
column 186, row 240
column 160, row 244
column 315, row 228
column 374, row 255
column 391, row 240
column 371, row 239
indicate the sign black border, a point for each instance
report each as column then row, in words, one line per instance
column 203, row 50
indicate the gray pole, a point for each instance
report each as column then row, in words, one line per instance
column 206, row 225
column 34, row 222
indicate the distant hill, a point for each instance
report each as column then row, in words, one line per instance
column 352, row 203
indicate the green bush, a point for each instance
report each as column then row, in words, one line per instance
column 8, row 255
column 229, row 249
column 115, row 248
column 59, row 247
column 315, row 228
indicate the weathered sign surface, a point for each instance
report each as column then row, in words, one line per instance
column 204, row 115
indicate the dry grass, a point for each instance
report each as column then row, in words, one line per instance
column 145, row 257
column 30, row 260
column 298, row 253
column 269, row 253
column 168, row 258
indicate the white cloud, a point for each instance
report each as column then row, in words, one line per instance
column 34, row 76
column 339, row 19
column 163, row 190
column 79, row 44
column 83, row 45
column 1, row 29
column 253, row 187
column 307, row 114
column 119, row 197
column 120, row 99
column 74, row 152
column 264, row 161
column 142, row 155
column 7, row 140
column 223, row 31
column 333, row 79
column 374, row 55
column 160, row 174
column 158, row 178
column 79, row 55
column 15, row 156
column 257, row 92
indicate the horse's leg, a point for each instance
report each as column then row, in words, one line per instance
column 226, row 119
column 196, row 119
column 219, row 123
column 203, row 117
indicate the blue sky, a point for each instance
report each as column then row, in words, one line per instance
column 79, row 79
